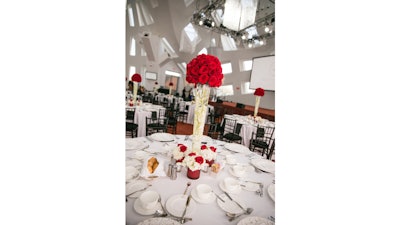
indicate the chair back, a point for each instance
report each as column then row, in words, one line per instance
column 130, row 115
column 230, row 125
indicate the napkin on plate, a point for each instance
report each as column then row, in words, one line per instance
column 159, row 172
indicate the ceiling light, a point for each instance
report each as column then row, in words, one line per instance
column 261, row 42
column 266, row 29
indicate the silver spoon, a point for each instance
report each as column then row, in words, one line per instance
column 233, row 216
column 160, row 213
column 187, row 186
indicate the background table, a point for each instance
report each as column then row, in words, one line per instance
column 248, row 126
column 141, row 112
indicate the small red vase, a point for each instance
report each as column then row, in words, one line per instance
column 193, row 174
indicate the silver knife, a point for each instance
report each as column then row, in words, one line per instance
column 184, row 212
column 137, row 191
column 234, row 201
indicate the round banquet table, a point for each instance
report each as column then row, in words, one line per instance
column 210, row 213
column 141, row 112
column 248, row 126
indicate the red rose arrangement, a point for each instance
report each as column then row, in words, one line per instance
column 156, row 83
column 179, row 152
column 209, row 153
column 193, row 161
column 136, row 78
column 259, row 92
column 171, row 84
column 205, row 69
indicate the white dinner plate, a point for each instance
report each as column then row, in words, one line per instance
column 134, row 144
column 271, row 191
column 237, row 148
column 133, row 162
column 200, row 200
column 263, row 164
column 176, row 205
column 204, row 138
column 140, row 155
column 164, row 137
column 159, row 221
column 235, row 191
column 134, row 186
column 255, row 220
column 230, row 206
column 137, row 206
column 232, row 172
column 131, row 172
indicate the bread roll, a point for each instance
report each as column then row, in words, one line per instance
column 152, row 164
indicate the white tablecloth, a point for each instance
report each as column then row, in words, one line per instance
column 141, row 113
column 248, row 126
column 206, row 213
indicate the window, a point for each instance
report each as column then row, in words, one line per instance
column 133, row 47
column 245, row 88
column 132, row 70
column 225, row 90
column 142, row 52
column 182, row 66
column 226, row 68
column 228, row 44
column 172, row 73
column 245, row 65
column 168, row 48
column 203, row 51
column 130, row 15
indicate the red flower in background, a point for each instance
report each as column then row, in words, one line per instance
column 203, row 147
column 259, row 92
column 213, row 148
column 156, row 83
column 171, row 84
column 183, row 148
column 136, row 78
column 205, row 69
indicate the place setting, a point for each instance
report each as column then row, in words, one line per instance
column 241, row 170
column 203, row 194
column 139, row 155
column 234, row 147
column 131, row 173
column 134, row 144
column 147, row 203
column 230, row 185
column 180, row 205
column 263, row 165
column 135, row 188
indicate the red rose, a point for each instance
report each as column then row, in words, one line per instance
column 171, row 84
column 213, row 148
column 183, row 148
column 259, row 92
column 203, row 78
column 213, row 81
column 192, row 154
column 137, row 78
column 199, row 160
column 204, row 69
column 203, row 147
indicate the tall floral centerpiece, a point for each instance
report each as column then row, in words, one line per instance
column 136, row 78
column 258, row 93
column 170, row 87
column 204, row 71
column 156, row 87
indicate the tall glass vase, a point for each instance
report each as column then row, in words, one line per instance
column 201, row 95
column 257, row 105
column 135, row 88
